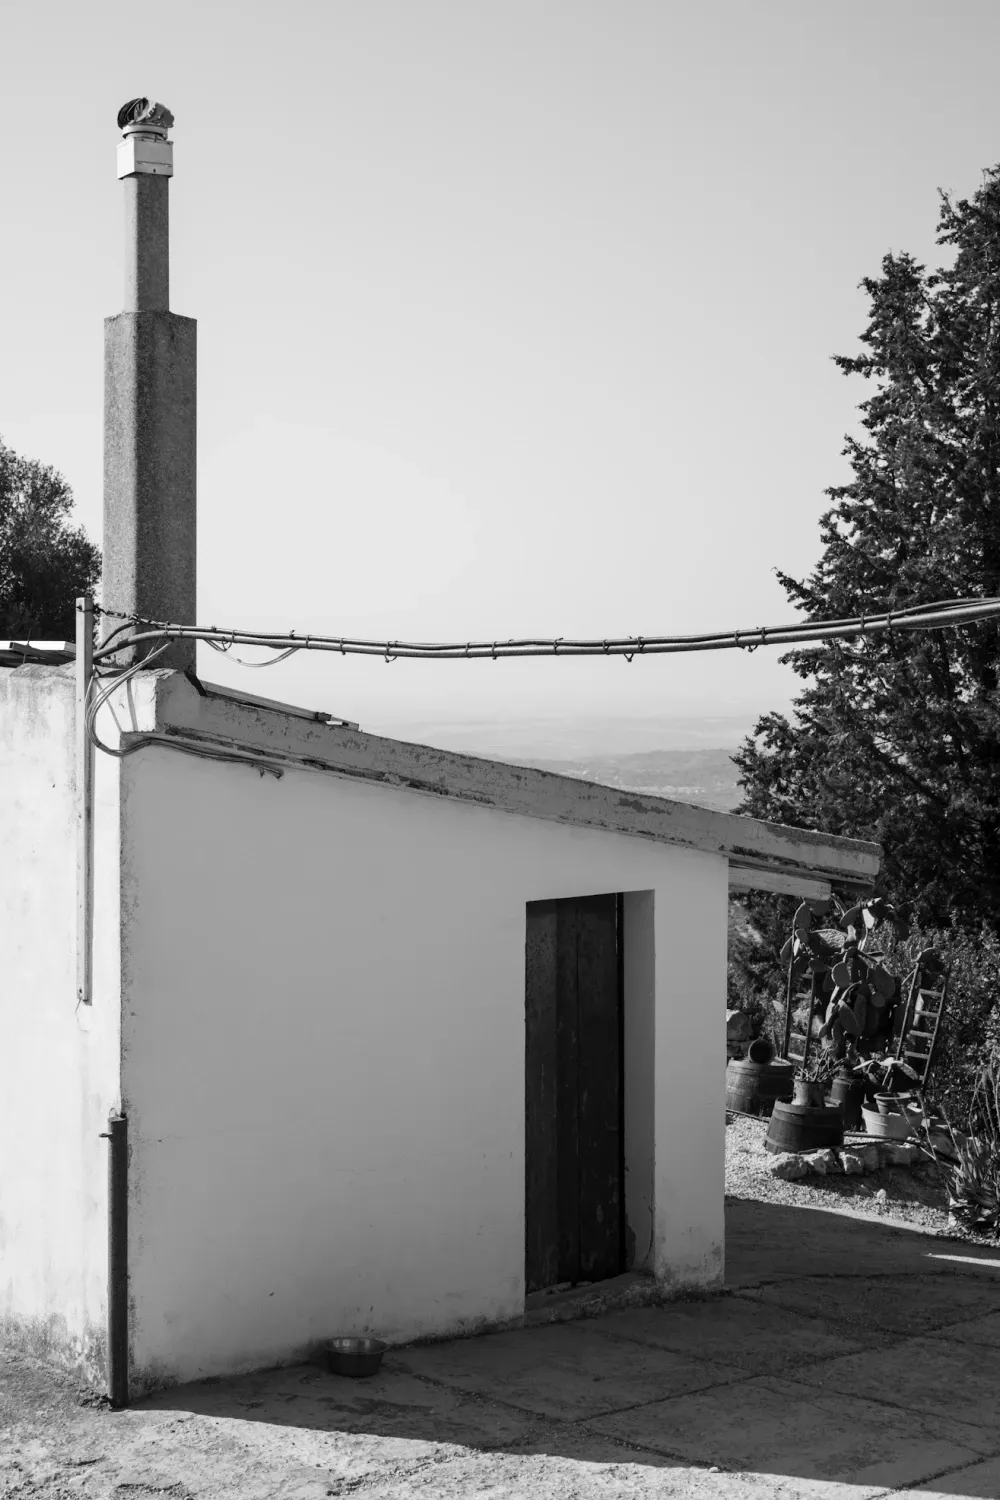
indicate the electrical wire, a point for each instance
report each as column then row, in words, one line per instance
column 175, row 742
column 935, row 616
column 226, row 650
column 119, row 679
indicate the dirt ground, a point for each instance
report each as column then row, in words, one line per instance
column 915, row 1196
column 850, row 1357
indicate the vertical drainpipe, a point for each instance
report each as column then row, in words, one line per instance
column 117, row 1365
column 84, row 805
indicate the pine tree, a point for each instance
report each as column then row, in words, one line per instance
column 897, row 738
column 44, row 561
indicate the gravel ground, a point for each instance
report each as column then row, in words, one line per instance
column 907, row 1195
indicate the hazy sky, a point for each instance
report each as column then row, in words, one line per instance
column 512, row 316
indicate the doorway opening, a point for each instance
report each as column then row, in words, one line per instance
column 575, row 1228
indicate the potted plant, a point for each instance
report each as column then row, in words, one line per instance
column 887, row 1078
column 812, row 1080
column 850, row 1088
column 808, row 1123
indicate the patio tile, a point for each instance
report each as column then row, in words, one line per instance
column 615, row 1474
column 562, row 1370
column 905, row 1305
column 752, row 1335
column 782, row 1430
column 975, row 1331
column 980, row 1482
column 933, row 1375
column 393, row 1404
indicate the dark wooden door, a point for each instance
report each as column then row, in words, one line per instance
column 574, row 1141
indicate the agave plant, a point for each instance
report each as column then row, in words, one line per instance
column 974, row 1182
column 974, row 1187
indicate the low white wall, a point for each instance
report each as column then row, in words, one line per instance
column 323, row 1056
column 58, row 1071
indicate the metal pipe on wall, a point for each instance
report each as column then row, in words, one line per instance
column 117, row 1372
column 84, row 804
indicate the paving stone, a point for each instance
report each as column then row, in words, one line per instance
column 598, row 1472
column 979, row 1482
column 926, row 1374
column 393, row 1403
column 906, row 1305
column 974, row 1331
column 771, row 1242
column 751, row 1335
column 781, row 1430
column 563, row 1370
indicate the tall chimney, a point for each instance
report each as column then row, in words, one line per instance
column 150, row 372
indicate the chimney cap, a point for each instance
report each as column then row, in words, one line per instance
column 144, row 114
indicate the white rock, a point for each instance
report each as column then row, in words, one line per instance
column 823, row 1162
column 869, row 1155
column 851, row 1163
column 881, row 1198
column 787, row 1164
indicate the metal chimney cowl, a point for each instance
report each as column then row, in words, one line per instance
column 145, row 149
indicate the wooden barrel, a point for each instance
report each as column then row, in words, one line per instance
column 752, row 1087
column 796, row 1127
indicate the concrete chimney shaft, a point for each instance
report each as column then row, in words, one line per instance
column 150, row 432
column 146, row 164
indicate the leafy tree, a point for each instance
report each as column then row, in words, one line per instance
column 897, row 737
column 44, row 561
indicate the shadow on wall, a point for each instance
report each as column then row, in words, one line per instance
column 844, row 1352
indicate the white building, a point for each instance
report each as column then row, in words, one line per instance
column 389, row 1037
column 309, row 1002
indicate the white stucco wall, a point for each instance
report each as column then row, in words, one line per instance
column 323, row 1056
column 58, row 1070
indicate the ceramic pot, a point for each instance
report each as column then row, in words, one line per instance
column 851, row 1094
column 893, row 1104
column 808, row 1094
column 760, row 1050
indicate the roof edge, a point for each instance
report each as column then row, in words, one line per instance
column 170, row 704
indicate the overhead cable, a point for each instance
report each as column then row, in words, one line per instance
column 935, row 616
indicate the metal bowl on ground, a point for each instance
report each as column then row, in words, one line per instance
column 357, row 1357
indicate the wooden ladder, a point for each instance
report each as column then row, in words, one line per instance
column 800, row 992
column 921, row 1023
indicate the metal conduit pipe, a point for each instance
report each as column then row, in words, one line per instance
column 117, row 1362
column 84, row 804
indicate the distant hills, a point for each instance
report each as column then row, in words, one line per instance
column 705, row 777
